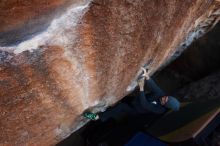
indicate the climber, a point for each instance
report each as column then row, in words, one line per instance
column 156, row 101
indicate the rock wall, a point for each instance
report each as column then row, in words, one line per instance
column 58, row 58
column 201, row 58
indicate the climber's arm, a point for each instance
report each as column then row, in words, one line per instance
column 146, row 105
column 154, row 88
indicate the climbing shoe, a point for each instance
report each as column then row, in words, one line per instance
column 91, row 116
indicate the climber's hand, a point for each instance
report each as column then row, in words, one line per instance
column 145, row 74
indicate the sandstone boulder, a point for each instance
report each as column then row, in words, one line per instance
column 58, row 58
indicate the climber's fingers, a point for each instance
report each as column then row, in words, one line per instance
column 145, row 74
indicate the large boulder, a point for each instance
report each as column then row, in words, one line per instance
column 58, row 58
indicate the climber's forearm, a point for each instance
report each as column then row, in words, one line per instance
column 154, row 87
column 141, row 88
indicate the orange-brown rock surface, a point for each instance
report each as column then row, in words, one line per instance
column 58, row 58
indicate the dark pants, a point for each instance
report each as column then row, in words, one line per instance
column 123, row 109
column 140, row 105
column 117, row 112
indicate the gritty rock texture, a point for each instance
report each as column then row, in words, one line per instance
column 201, row 90
column 88, row 56
column 201, row 58
column 22, row 19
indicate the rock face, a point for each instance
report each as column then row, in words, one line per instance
column 202, row 90
column 58, row 58
column 198, row 60
column 22, row 18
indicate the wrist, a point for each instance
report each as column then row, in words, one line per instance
column 141, row 88
column 147, row 78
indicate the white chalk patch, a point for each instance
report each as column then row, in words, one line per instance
column 85, row 98
column 132, row 86
column 56, row 33
column 134, row 83
column 62, row 131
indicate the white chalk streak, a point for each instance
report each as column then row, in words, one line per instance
column 56, row 33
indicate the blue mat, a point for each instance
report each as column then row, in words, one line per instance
column 141, row 139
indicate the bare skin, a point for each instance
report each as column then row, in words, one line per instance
column 163, row 100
